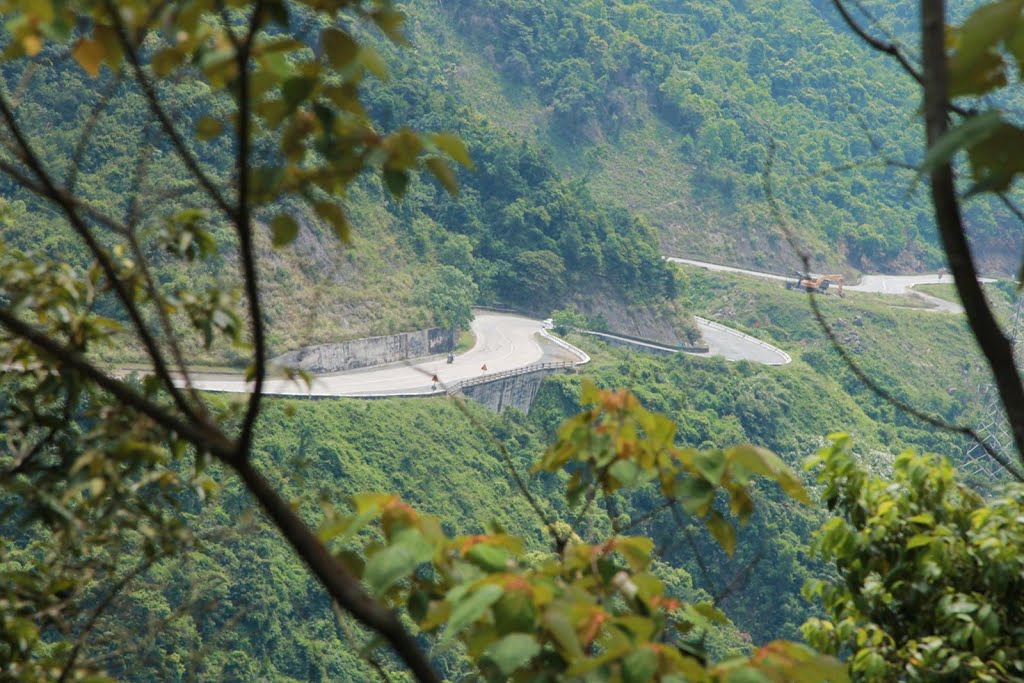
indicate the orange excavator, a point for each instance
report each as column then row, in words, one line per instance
column 817, row 284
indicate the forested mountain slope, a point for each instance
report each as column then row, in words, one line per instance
column 604, row 134
column 519, row 231
column 670, row 109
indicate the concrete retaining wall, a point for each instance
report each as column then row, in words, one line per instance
column 516, row 391
column 368, row 352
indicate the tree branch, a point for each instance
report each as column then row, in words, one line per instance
column 994, row 345
column 848, row 360
column 149, row 90
column 87, row 210
column 98, row 612
column 339, row 582
column 87, row 130
column 59, row 197
column 243, row 224
column 202, row 436
column 155, row 296
column 890, row 49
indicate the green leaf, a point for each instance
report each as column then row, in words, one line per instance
column 208, row 128
column 165, row 61
column 639, row 666
column 340, row 48
column 986, row 73
column 983, row 30
column 297, row 90
column 284, row 229
column 558, row 624
column 964, row 136
column 491, row 558
column 453, row 146
column 470, row 608
column 89, row 55
column 335, row 215
column 395, row 181
column 723, row 531
column 444, row 174
column 514, row 612
column 512, row 652
column 636, row 549
column 373, row 62
column 390, row 565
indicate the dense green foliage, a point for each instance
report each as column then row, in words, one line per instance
column 670, row 108
column 111, row 500
column 524, row 234
column 930, row 572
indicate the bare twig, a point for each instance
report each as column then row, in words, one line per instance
column 98, row 611
column 142, row 262
column 87, row 131
column 59, row 197
column 156, row 107
column 890, row 49
column 848, row 360
column 334, row 576
column 506, row 457
column 87, row 210
column 737, row 581
column 677, row 516
column 243, row 224
column 199, row 434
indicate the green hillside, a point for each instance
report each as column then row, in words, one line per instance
column 669, row 109
column 604, row 136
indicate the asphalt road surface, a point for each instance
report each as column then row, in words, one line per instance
column 503, row 342
column 735, row 345
column 877, row 284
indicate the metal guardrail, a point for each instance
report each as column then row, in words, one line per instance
column 711, row 323
column 505, row 374
column 647, row 342
column 584, row 357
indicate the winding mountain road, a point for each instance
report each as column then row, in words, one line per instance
column 877, row 284
column 508, row 342
column 503, row 342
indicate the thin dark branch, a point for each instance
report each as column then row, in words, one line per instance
column 341, row 585
column 996, row 348
column 87, row 210
column 99, row 610
column 27, row 456
column 87, row 131
column 155, row 106
column 153, row 291
column 243, row 224
column 58, row 197
column 890, row 49
column 506, row 457
column 879, row 45
column 848, row 360
column 1011, row 206
column 203, row 437
column 349, row 639
column 22, row 87
column 634, row 523
column 738, row 581
column 677, row 516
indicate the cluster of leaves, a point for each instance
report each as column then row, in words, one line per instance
column 931, row 572
column 89, row 486
column 986, row 55
column 593, row 610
